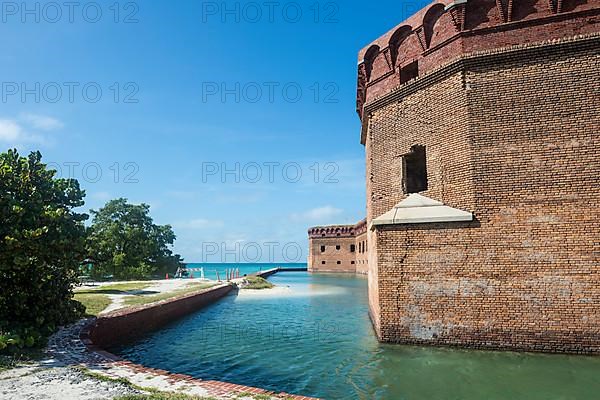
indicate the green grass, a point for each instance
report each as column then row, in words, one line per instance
column 247, row 395
column 153, row 394
column 162, row 396
column 94, row 303
column 19, row 357
column 96, row 300
column 117, row 288
column 136, row 300
column 256, row 282
column 8, row 362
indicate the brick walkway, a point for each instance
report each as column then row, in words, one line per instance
column 72, row 346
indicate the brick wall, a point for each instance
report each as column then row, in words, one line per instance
column 362, row 256
column 432, row 36
column 332, row 259
column 513, row 139
column 351, row 256
column 121, row 325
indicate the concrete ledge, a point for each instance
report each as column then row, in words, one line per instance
column 417, row 209
column 267, row 273
column 273, row 271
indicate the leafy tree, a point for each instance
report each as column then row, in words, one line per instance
column 124, row 242
column 42, row 241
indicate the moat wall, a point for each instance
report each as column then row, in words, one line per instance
column 122, row 325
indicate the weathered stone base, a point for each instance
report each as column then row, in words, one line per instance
column 563, row 342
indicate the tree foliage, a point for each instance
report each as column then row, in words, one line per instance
column 42, row 241
column 124, row 242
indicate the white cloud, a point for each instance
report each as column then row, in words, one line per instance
column 42, row 122
column 22, row 130
column 319, row 214
column 13, row 134
column 10, row 131
column 199, row 223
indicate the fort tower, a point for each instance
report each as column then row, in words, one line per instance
column 480, row 121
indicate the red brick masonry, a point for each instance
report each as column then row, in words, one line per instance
column 126, row 323
column 120, row 325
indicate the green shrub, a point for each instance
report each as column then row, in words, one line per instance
column 41, row 245
column 257, row 282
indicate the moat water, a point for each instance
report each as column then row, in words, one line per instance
column 312, row 336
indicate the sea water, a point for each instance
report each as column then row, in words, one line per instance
column 312, row 336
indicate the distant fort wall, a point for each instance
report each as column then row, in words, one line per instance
column 338, row 248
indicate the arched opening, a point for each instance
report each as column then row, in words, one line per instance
column 370, row 56
column 396, row 40
column 429, row 20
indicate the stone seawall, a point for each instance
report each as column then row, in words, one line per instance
column 267, row 273
column 95, row 335
column 273, row 271
column 121, row 325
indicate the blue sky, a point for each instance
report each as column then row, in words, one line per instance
column 153, row 101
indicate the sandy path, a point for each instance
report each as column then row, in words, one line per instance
column 41, row 382
column 157, row 287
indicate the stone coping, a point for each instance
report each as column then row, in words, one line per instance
column 418, row 209
column 79, row 345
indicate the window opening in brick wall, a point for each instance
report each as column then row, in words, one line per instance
column 409, row 72
column 322, row 249
column 415, row 170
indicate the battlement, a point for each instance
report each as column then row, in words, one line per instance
column 446, row 30
column 338, row 230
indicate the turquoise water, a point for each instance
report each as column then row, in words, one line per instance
column 313, row 337
column 211, row 269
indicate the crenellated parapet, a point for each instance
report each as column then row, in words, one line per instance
column 332, row 231
column 447, row 30
column 360, row 227
column 338, row 248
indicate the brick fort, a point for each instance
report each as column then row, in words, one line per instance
column 480, row 123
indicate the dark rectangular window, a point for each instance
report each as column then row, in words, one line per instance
column 409, row 72
column 339, row 262
column 352, row 262
column 323, row 262
column 338, row 247
column 352, row 248
column 415, row 170
column 322, row 249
